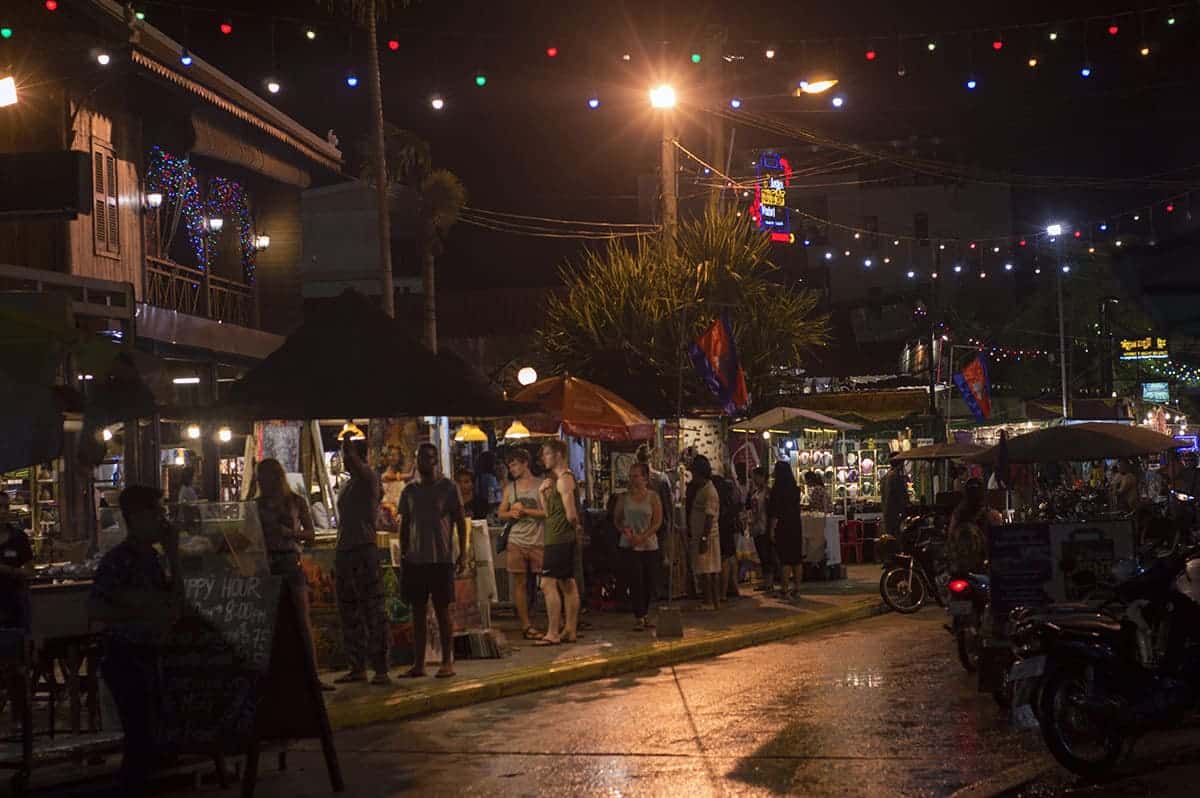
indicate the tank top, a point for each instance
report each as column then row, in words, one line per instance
column 558, row 527
column 638, row 515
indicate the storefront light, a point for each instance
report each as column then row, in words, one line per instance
column 516, row 431
column 350, row 430
column 262, row 241
column 527, row 375
column 154, row 200
column 107, row 434
column 8, row 91
column 470, row 433
column 186, row 380
column 193, row 431
column 224, row 434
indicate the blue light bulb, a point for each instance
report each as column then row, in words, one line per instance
column 352, row 80
column 1103, row 228
column 594, row 103
column 971, row 84
column 185, row 57
column 735, row 103
column 1086, row 72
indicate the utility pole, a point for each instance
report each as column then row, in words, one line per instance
column 670, row 202
column 1062, row 338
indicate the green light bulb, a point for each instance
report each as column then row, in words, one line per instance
column 6, row 33
column 481, row 80
column 141, row 15
column 695, row 58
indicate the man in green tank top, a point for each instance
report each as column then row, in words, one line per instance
column 563, row 532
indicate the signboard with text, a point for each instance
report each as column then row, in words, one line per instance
column 1152, row 347
column 1159, row 392
column 769, row 209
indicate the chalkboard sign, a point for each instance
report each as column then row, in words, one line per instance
column 1021, row 568
column 213, row 661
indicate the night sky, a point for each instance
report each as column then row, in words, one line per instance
column 528, row 143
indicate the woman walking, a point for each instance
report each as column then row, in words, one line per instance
column 286, row 522
column 785, row 528
column 638, row 518
column 703, row 512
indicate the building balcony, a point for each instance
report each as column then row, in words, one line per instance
column 195, row 292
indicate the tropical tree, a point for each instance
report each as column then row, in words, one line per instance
column 367, row 14
column 629, row 313
column 441, row 198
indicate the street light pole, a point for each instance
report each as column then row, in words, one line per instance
column 1062, row 340
column 662, row 97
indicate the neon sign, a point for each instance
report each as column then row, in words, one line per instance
column 769, row 209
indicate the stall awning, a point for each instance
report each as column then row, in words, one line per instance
column 867, row 406
column 789, row 418
column 181, row 329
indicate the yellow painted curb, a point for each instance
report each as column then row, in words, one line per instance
column 528, row 679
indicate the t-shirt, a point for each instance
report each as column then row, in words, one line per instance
column 526, row 531
column 637, row 516
column 14, row 552
column 282, row 523
column 129, row 567
column 358, row 506
column 431, row 510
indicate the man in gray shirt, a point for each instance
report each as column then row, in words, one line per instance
column 430, row 510
column 521, row 506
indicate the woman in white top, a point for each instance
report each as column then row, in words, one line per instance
column 638, row 517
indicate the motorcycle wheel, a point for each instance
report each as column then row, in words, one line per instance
column 1081, row 745
column 902, row 594
column 967, row 637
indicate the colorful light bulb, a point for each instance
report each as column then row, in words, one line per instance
column 735, row 103
column 352, row 80
column 226, row 27
column 593, row 102
column 393, row 45
column 870, row 55
column 997, row 45
column 481, row 80
column 51, row 5
column 552, row 52
column 185, row 57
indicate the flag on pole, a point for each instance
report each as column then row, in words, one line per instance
column 976, row 391
column 714, row 354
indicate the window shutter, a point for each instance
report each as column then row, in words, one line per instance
column 100, row 197
column 114, row 217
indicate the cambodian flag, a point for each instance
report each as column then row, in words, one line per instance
column 714, row 355
column 976, row 391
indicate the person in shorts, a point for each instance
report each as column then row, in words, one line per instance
column 563, row 532
column 521, row 507
column 431, row 511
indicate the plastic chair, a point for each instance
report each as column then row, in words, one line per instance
column 851, row 535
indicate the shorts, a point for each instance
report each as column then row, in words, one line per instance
column 421, row 581
column 523, row 559
column 558, row 561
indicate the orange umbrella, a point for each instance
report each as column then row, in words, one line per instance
column 583, row 409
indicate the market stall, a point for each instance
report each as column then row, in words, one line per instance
column 388, row 391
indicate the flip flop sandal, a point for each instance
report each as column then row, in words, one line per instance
column 544, row 642
column 531, row 633
column 445, row 675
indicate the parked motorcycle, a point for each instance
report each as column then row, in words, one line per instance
column 1097, row 677
column 969, row 609
column 918, row 570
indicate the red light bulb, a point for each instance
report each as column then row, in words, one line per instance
column 51, row 5
column 871, row 55
column 1170, row 207
column 1113, row 30
column 226, row 28
column 393, row 45
column 997, row 45
column 1021, row 243
column 551, row 52
column 1078, row 234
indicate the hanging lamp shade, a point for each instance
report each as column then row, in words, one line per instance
column 470, row 433
column 516, row 431
column 352, row 432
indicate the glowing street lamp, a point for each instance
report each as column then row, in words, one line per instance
column 527, row 375
column 8, row 91
column 662, row 96
column 817, row 86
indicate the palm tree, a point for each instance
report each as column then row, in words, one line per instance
column 442, row 200
column 440, row 197
column 367, row 14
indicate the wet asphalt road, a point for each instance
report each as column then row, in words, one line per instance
column 878, row 708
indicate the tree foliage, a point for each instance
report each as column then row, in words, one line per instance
column 629, row 313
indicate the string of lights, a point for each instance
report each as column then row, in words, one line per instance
column 543, row 232
column 1138, row 30
column 506, row 215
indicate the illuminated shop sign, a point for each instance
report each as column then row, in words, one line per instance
column 769, row 210
column 1148, row 348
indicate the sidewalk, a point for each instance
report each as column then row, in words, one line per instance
column 610, row 647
